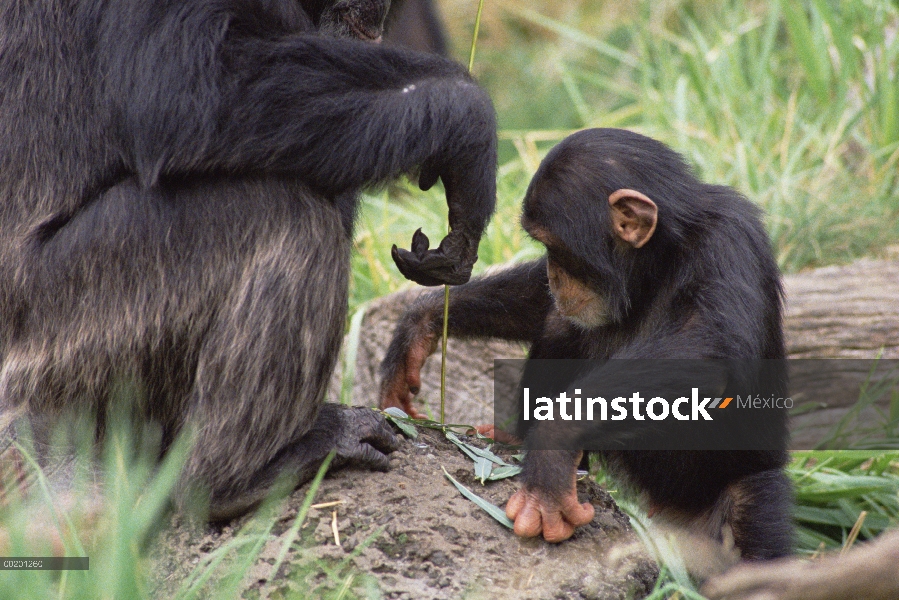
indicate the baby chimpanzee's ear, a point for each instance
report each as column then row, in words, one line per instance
column 634, row 216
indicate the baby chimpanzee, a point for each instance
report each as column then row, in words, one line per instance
column 644, row 261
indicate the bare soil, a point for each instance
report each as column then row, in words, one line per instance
column 410, row 534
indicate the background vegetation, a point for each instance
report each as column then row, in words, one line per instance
column 795, row 104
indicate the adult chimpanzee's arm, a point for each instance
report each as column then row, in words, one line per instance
column 342, row 114
column 202, row 89
column 364, row 114
column 511, row 304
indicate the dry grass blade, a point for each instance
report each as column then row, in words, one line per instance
column 853, row 534
column 334, row 529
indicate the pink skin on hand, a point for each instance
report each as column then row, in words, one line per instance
column 497, row 435
column 400, row 390
column 536, row 512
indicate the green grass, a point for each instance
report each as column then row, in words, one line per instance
column 112, row 519
column 841, row 497
column 114, row 515
column 834, row 489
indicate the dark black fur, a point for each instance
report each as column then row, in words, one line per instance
column 178, row 181
column 705, row 286
column 416, row 24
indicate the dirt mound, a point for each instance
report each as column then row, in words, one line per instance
column 409, row 533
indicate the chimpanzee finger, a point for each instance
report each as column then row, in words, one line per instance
column 379, row 434
column 555, row 528
column 366, row 455
column 497, row 435
column 524, row 509
column 418, row 353
column 420, row 243
column 371, row 428
column 576, row 513
column 407, row 406
column 515, row 504
column 529, row 522
column 393, row 390
column 412, row 410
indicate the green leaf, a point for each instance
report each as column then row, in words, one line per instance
column 474, row 452
column 401, row 420
column 491, row 509
column 811, row 539
column 827, row 487
column 894, row 408
column 482, row 469
column 575, row 35
column 842, row 38
column 504, row 472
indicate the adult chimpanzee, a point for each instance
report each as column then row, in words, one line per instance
column 643, row 261
column 178, row 182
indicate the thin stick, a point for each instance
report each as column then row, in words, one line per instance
column 443, row 355
column 474, row 39
column 474, row 45
column 328, row 504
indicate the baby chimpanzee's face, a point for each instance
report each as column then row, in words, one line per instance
column 574, row 299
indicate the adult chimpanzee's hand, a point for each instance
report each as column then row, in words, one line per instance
column 470, row 183
column 450, row 263
column 364, row 438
